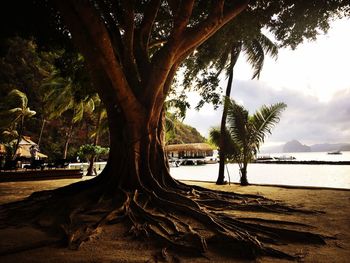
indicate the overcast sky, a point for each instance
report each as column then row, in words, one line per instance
column 313, row 80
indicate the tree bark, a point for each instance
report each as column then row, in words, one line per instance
column 243, row 171
column 41, row 131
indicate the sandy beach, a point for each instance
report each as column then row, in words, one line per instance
column 111, row 245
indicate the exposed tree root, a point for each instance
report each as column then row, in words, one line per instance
column 192, row 219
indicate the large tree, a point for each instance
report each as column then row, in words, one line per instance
column 132, row 50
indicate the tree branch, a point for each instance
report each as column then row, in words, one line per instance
column 181, row 19
column 195, row 36
column 142, row 44
column 91, row 37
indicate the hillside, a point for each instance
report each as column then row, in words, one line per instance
column 183, row 133
column 295, row 146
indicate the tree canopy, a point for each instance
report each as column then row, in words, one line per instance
column 132, row 50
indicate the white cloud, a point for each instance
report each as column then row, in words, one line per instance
column 317, row 68
column 314, row 82
column 306, row 118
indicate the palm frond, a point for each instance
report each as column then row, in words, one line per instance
column 265, row 119
column 270, row 48
column 256, row 49
column 214, row 135
column 78, row 112
column 232, row 149
column 255, row 56
column 237, row 120
column 28, row 113
column 17, row 98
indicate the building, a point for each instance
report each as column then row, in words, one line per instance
column 27, row 148
column 189, row 150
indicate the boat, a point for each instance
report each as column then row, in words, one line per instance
column 285, row 158
column 335, row 152
column 263, row 158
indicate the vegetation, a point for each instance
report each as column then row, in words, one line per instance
column 245, row 133
column 89, row 152
column 57, row 84
column 132, row 51
column 14, row 111
column 178, row 132
column 225, row 58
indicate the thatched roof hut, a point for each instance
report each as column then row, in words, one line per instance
column 189, row 150
column 189, row 147
column 24, row 149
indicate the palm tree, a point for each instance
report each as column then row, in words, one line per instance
column 67, row 95
column 245, row 134
column 14, row 111
column 100, row 128
column 255, row 49
column 205, row 66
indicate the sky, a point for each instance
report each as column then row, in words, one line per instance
column 313, row 80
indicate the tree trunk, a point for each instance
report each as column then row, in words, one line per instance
column 68, row 138
column 236, row 49
column 244, row 179
column 136, row 154
column 90, row 169
column 41, row 132
column 20, row 134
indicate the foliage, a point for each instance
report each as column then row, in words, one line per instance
column 24, row 67
column 245, row 134
column 177, row 132
column 14, row 111
column 133, row 50
column 287, row 22
column 14, row 108
column 87, row 151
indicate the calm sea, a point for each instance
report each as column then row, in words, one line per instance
column 332, row 176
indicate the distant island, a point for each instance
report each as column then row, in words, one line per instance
column 296, row 146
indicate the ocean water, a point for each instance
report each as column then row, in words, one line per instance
column 330, row 176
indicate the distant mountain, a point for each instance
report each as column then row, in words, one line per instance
column 345, row 147
column 327, row 147
column 295, row 146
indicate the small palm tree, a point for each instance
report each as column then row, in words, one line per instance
column 245, row 134
column 14, row 111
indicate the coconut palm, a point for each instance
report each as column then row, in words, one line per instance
column 245, row 134
column 68, row 95
column 212, row 59
column 14, row 111
column 255, row 50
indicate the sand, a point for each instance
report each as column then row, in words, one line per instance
column 111, row 245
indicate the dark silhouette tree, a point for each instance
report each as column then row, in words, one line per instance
column 132, row 50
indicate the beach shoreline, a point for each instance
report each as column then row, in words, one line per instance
column 332, row 220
